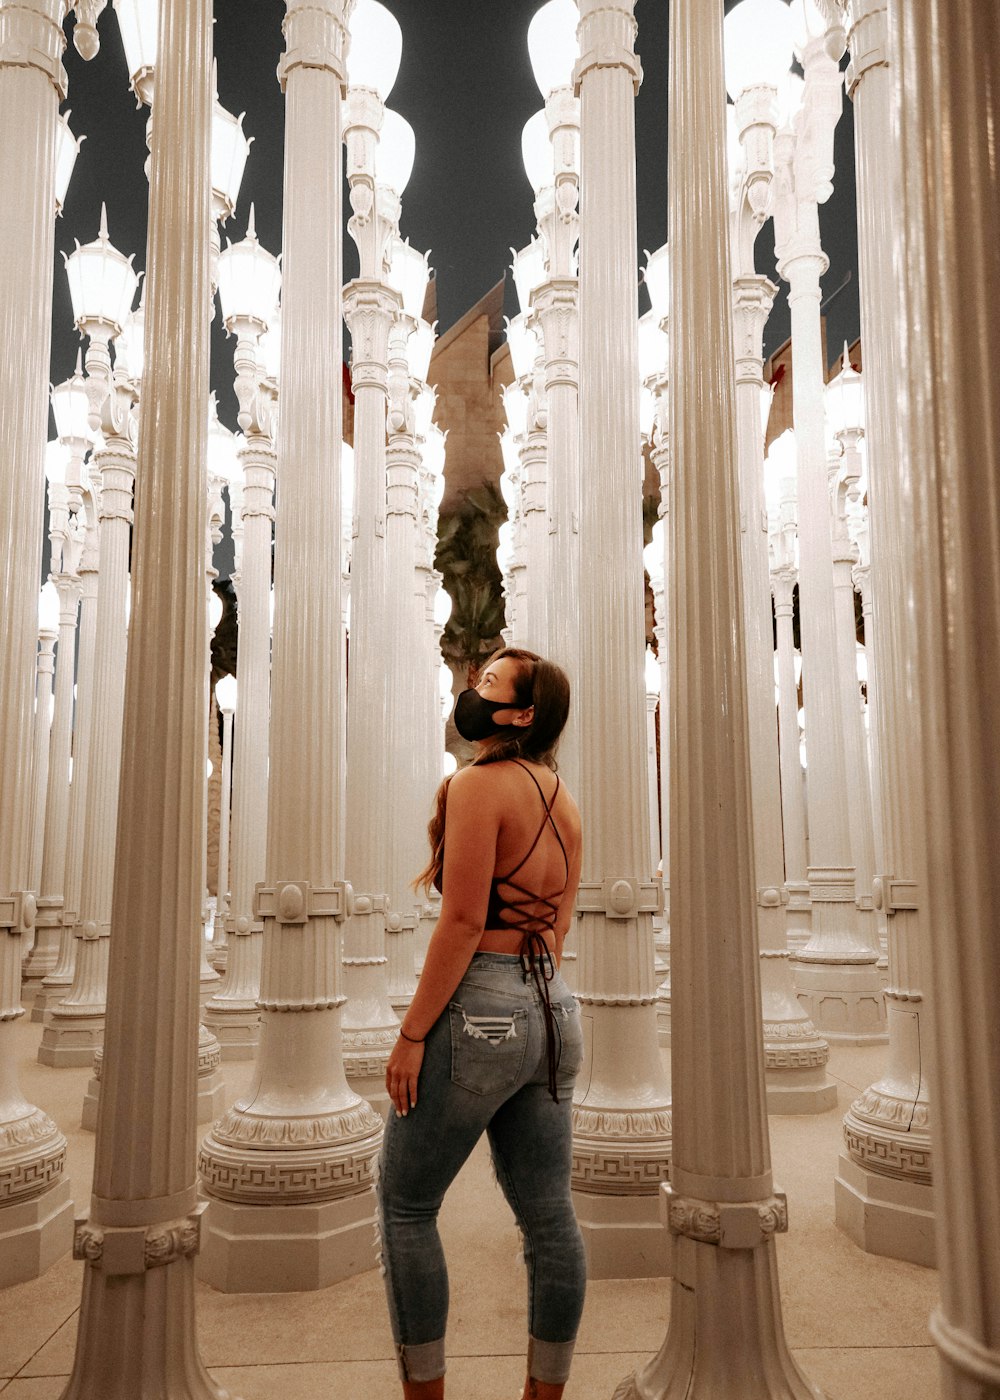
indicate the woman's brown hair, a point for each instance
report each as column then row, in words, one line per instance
column 538, row 683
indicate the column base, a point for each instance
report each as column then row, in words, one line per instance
column 35, row 1233
column 623, row 1236
column 787, row 1096
column 400, row 1002
column 70, row 1041
column 843, row 1000
column 46, row 998
column 235, row 1027
column 370, row 1087
column 884, row 1215
column 286, row 1249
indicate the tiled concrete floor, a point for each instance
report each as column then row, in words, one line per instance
column 857, row 1323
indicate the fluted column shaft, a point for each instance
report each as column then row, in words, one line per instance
column 50, row 889
column 35, row 1210
column 369, row 1022
column 301, row 1142
column 232, row 1013
column 44, row 672
column 75, row 1028
column 137, row 1314
column 837, row 977
column 947, row 99
column 863, row 583
column 58, row 982
column 795, row 1056
column 621, row 1117
column 883, row 1182
column 532, row 619
column 725, row 1337
column 793, row 802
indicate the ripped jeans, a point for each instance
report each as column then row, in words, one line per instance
column 485, row 1067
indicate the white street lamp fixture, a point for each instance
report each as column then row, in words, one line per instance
column 780, row 469
column 657, row 279
column 528, row 267
column 395, row 152
column 861, row 657
column 67, row 146
column 408, row 274
column 652, row 558
column 215, row 611
column 375, row 50
column 759, row 38
column 346, row 484
column 419, row 349
column 647, row 417
column 766, row 397
column 423, row 411
column 450, row 765
column 225, row 694
column 138, row 21
column 230, row 148
column 536, row 152
column 71, row 410
column 223, row 462
column 434, row 454
column 552, row 45
column 505, row 547
column 523, row 346
column 511, row 465
column 845, row 400
column 48, row 610
column 249, row 281
column 653, row 347
column 791, row 95
column 102, row 284
column 130, row 355
column 808, row 23
column 515, row 405
column 446, row 689
column 269, row 348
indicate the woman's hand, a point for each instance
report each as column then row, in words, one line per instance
column 402, row 1073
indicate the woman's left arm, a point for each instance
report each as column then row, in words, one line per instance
column 472, row 822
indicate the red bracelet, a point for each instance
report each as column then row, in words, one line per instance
column 411, row 1038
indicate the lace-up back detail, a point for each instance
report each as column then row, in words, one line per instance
column 516, row 907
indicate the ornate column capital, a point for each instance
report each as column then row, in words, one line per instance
column 607, row 40
column 315, row 37
column 868, row 38
column 31, row 36
column 369, row 308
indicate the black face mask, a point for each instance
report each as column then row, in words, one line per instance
column 474, row 715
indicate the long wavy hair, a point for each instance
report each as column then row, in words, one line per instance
column 537, row 683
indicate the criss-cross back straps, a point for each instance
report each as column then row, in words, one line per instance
column 547, row 820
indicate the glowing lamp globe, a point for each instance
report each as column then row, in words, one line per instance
column 408, row 274
column 419, row 349
column 67, row 147
column 791, row 95
column 552, row 45
column 505, row 547
column 215, row 610
column 808, row 23
column 652, row 556
column 225, row 694
column 434, row 452
column 130, row 347
column 845, row 400
column 102, row 284
column 230, row 148
column 766, row 396
column 55, row 463
column 70, row 408
column 375, row 50
column 442, row 607
column 445, row 684
column 249, row 280
column 780, row 468
column 222, row 460
column 269, row 347
column 528, row 267
column 515, row 405
column 653, row 346
column 423, row 411
column 138, row 21
column 536, row 152
column 523, row 346
column 449, row 765
column 511, row 464
column 759, row 37
column 48, row 610
column 395, row 152
column 657, row 279
column 508, row 489
column 652, row 673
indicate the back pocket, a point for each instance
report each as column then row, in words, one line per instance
column 487, row 1052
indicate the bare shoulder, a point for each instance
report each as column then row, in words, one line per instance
column 475, row 785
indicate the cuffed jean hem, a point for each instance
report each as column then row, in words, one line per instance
column 424, row 1362
column 549, row 1361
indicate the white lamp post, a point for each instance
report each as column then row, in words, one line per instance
column 225, row 696
column 249, row 282
column 531, row 583
column 102, row 285
column 71, row 410
column 369, row 1024
column 758, row 45
column 721, row 1207
column 836, row 972
column 882, row 1187
column 67, row 150
column 143, row 1225
column 48, row 633
column 621, row 1136
column 288, row 1168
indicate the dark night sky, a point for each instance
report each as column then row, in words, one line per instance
column 465, row 86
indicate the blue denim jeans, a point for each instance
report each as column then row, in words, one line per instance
column 485, row 1068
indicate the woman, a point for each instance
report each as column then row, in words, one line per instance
column 492, row 1038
